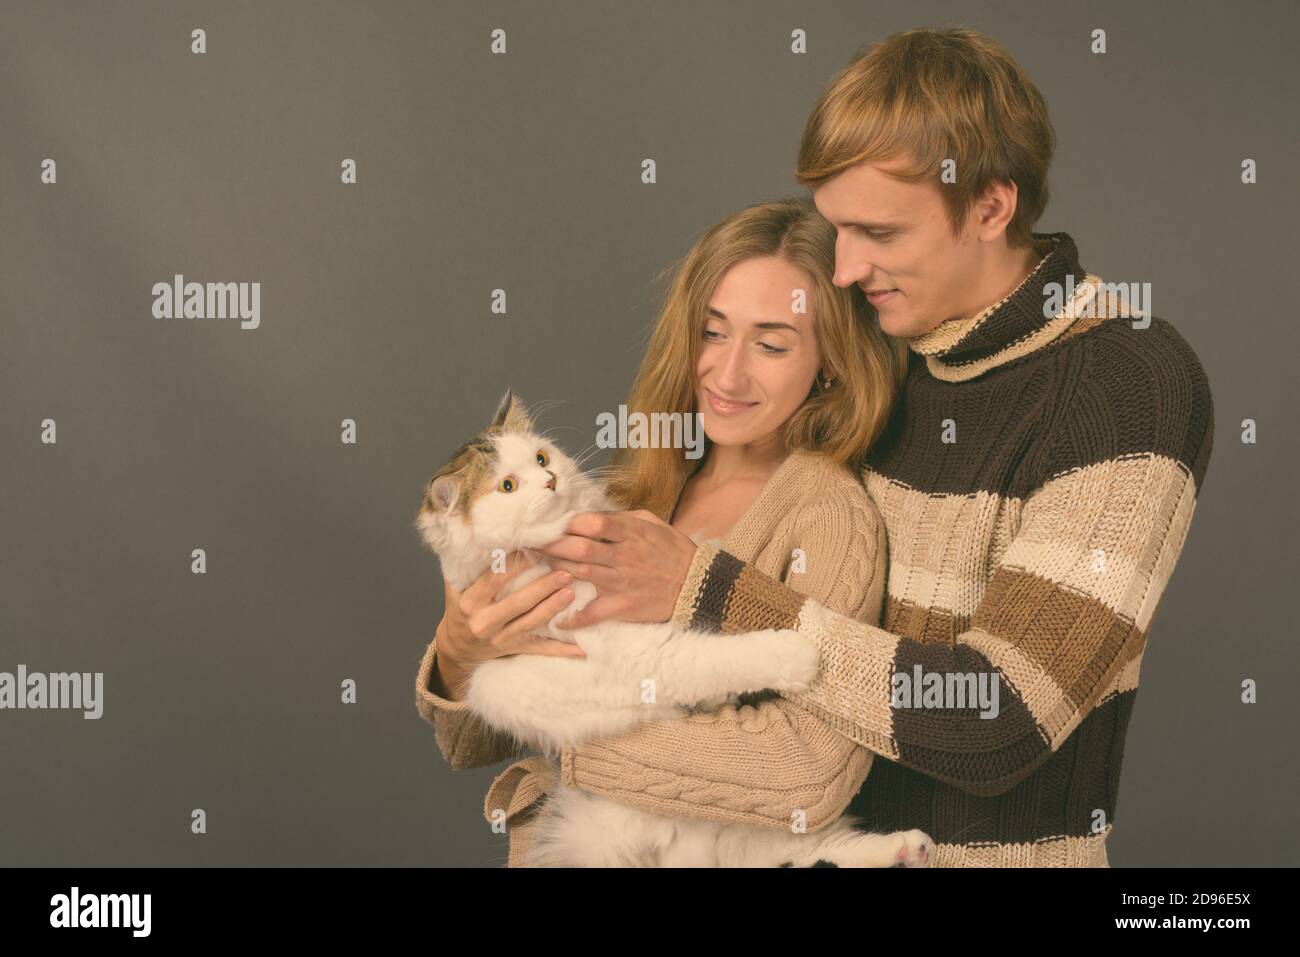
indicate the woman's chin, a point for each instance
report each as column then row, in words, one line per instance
column 724, row 434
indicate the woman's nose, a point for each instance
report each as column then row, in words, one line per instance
column 732, row 373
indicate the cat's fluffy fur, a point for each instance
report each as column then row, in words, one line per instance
column 510, row 489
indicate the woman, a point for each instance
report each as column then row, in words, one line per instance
column 793, row 380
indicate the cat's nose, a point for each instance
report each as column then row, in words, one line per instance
column 550, row 483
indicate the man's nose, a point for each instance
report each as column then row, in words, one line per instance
column 847, row 273
column 849, row 267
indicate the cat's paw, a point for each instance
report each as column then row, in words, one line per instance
column 800, row 661
column 583, row 594
column 781, row 659
column 915, row 850
column 846, row 845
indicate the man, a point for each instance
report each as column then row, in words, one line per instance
column 1037, row 481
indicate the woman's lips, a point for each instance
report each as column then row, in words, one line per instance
column 722, row 407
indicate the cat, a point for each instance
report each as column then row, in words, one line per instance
column 511, row 488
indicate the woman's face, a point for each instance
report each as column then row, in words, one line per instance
column 759, row 356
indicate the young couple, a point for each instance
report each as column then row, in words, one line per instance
column 919, row 454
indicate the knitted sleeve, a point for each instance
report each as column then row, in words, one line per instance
column 773, row 763
column 1064, row 617
column 463, row 738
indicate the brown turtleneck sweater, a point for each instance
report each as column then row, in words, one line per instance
column 1037, row 481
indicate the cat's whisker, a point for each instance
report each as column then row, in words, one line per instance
column 541, row 406
column 581, row 458
column 599, row 475
column 556, row 428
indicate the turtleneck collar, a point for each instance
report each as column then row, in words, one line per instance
column 961, row 349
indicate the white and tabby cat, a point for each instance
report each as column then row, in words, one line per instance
column 511, row 488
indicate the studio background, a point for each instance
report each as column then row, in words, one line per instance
column 520, row 172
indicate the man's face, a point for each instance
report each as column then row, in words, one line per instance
column 894, row 240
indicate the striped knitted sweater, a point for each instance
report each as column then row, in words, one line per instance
column 1037, row 481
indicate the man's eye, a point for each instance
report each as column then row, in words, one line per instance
column 507, row 484
column 542, row 458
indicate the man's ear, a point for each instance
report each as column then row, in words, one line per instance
column 994, row 210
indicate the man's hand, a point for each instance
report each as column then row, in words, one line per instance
column 636, row 560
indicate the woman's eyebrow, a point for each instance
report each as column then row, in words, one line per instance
column 759, row 325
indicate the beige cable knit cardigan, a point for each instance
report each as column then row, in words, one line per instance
column 811, row 505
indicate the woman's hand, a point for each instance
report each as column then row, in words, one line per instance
column 477, row 627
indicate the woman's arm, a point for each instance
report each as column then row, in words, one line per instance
column 777, row 764
column 479, row 627
column 463, row 738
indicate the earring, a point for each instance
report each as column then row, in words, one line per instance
column 825, row 383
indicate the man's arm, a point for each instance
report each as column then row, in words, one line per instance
column 463, row 738
column 1061, row 624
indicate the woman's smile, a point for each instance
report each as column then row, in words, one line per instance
column 723, row 407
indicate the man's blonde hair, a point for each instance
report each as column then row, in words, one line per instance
column 927, row 95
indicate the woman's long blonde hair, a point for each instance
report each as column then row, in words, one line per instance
column 866, row 366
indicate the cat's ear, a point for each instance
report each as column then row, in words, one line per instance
column 511, row 416
column 443, row 494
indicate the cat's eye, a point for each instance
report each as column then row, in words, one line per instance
column 507, row 484
column 542, row 458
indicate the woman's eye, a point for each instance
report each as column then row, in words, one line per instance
column 542, row 459
column 712, row 335
column 507, row 484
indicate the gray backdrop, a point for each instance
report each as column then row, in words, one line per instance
column 519, row 171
